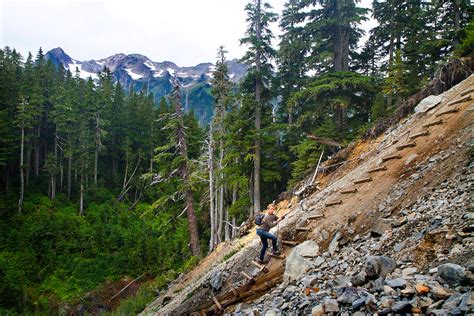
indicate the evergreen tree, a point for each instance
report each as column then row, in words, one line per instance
column 258, row 58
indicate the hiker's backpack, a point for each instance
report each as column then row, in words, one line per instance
column 259, row 219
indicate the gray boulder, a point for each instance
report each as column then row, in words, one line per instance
column 379, row 266
column 452, row 273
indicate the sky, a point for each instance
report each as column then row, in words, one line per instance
column 186, row 32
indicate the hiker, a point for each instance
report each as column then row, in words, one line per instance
column 267, row 222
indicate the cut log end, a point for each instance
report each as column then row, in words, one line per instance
column 425, row 133
column 387, row 158
column 437, row 122
column 407, row 145
column 349, row 191
column 289, row 242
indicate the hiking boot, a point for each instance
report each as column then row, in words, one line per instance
column 276, row 252
column 262, row 261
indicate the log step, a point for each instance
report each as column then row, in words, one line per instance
column 248, row 277
column 405, row 146
column 276, row 256
column 465, row 99
column 289, row 242
column 363, row 180
column 381, row 168
column 260, row 266
column 440, row 121
column 454, row 110
column 425, row 133
column 467, row 91
column 234, row 291
column 219, row 306
column 303, row 229
column 391, row 157
column 314, row 217
column 334, row 203
column 348, row 191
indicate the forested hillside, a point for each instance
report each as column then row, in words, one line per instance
column 101, row 184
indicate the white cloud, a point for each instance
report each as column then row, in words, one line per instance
column 186, row 32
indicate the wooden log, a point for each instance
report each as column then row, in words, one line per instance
column 381, row 168
column 334, row 203
column 348, row 191
column 289, row 242
column 260, row 266
column 440, row 121
column 363, row 180
column 276, row 256
column 314, row 217
column 453, row 110
column 405, row 146
column 468, row 91
column 234, row 291
column 303, row 229
column 425, row 133
column 465, row 99
column 219, row 306
column 248, row 277
column 391, row 157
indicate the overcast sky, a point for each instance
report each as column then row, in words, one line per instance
column 186, row 32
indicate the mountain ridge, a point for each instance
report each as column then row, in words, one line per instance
column 138, row 72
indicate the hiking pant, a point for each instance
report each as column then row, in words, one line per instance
column 264, row 235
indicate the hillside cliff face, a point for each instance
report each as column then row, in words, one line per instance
column 387, row 230
column 138, row 72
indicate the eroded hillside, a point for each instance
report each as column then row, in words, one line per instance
column 375, row 235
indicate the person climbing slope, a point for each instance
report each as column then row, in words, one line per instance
column 265, row 223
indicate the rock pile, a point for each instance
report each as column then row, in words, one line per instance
column 419, row 261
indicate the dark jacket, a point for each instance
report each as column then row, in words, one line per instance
column 268, row 222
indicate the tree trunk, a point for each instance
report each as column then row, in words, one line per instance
column 22, row 180
column 227, row 228
column 28, row 164
column 221, row 185
column 338, row 40
column 69, row 172
column 456, row 19
column 258, row 92
column 98, row 145
column 81, row 198
column 211, row 189
column 37, row 151
column 390, row 63
column 345, row 50
column 183, row 149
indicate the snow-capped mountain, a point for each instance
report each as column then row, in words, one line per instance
column 139, row 72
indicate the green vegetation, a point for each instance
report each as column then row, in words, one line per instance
column 100, row 184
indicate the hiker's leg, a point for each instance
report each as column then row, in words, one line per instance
column 274, row 242
column 264, row 247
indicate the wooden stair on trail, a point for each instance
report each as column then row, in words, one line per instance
column 276, row 256
column 454, row 110
column 289, row 242
column 338, row 202
column 424, row 133
column 248, row 277
column 391, row 157
column 363, row 180
column 303, row 229
column 315, row 217
column 216, row 302
column 464, row 99
column 407, row 145
column 261, row 267
column 234, row 291
column 381, row 168
column 437, row 122
column 468, row 91
column 349, row 191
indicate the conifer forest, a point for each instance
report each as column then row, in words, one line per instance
column 98, row 182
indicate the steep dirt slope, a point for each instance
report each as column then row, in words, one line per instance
column 378, row 207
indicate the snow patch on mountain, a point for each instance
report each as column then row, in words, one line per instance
column 132, row 74
column 82, row 73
